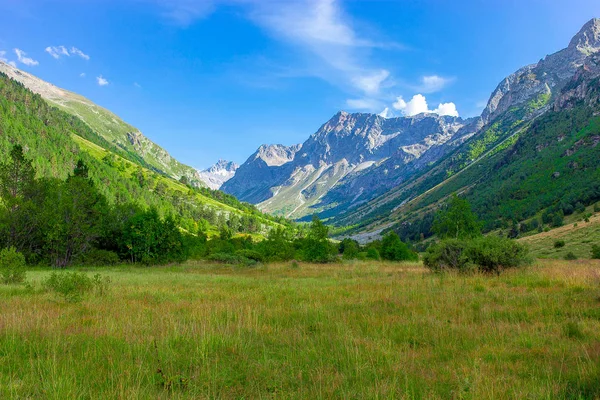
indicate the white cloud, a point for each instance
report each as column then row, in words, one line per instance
column 137, row 85
column 59, row 51
column 371, row 84
column 364, row 104
column 22, row 57
column 101, row 81
column 433, row 83
column 77, row 52
column 82, row 75
column 418, row 104
column 446, row 109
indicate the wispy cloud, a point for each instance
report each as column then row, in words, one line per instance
column 328, row 42
column 23, row 59
column 137, row 85
column 59, row 51
column 101, row 81
column 82, row 75
column 433, row 83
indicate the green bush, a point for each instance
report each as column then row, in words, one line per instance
column 373, row 254
column 227, row 258
column 250, row 255
column 570, row 256
column 493, row 253
column 596, row 251
column 99, row 258
column 72, row 286
column 597, row 207
column 447, row 254
column 487, row 254
column 393, row 249
column 559, row 243
column 12, row 266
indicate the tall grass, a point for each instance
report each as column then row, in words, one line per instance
column 346, row 331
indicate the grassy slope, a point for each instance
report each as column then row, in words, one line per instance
column 579, row 236
column 334, row 331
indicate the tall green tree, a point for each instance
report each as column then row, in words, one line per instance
column 393, row 249
column 457, row 221
column 316, row 245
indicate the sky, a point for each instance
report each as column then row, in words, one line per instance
column 210, row 79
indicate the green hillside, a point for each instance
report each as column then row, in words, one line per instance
column 518, row 175
column 55, row 140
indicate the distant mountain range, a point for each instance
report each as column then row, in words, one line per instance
column 359, row 168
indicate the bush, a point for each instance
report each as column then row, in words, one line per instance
column 447, row 254
column 596, row 252
column 72, row 286
column 373, row 254
column 570, row 256
column 559, row 243
column 250, row 255
column 487, row 254
column 493, row 253
column 99, row 258
column 597, row 207
column 12, row 266
column 393, row 249
column 227, row 258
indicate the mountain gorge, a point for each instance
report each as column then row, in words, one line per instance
column 368, row 171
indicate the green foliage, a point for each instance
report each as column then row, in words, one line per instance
column 12, row 266
column 570, row 256
column 393, row 249
column 559, row 243
column 73, row 286
column 99, row 258
column 373, row 254
column 349, row 248
column 316, row 247
column 596, row 252
column 457, row 221
column 487, row 254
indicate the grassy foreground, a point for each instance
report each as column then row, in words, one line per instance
column 336, row 331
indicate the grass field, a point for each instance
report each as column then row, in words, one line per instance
column 347, row 331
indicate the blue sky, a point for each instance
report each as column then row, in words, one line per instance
column 209, row 79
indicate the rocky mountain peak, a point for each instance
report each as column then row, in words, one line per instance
column 587, row 40
column 276, row 154
column 222, row 166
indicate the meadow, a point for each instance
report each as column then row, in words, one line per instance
column 349, row 331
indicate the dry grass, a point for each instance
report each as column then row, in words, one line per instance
column 321, row 331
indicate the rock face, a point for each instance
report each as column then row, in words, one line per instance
column 355, row 157
column 546, row 76
column 216, row 175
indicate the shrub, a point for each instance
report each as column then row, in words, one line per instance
column 72, row 286
column 597, row 207
column 596, row 251
column 227, row 258
column 488, row 254
column 12, row 266
column 447, row 254
column 493, row 253
column 559, row 243
column 99, row 258
column 570, row 256
column 393, row 249
column 250, row 255
column 294, row 264
column 373, row 254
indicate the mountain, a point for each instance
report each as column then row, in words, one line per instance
column 535, row 158
column 346, row 162
column 217, row 174
column 129, row 139
column 55, row 140
column 357, row 168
